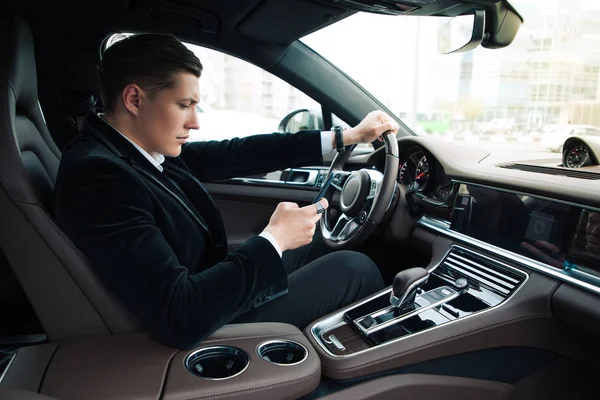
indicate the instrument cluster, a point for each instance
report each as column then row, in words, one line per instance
column 420, row 169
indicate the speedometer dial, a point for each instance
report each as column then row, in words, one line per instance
column 404, row 175
column 578, row 156
column 422, row 173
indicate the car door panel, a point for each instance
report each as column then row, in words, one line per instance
column 246, row 204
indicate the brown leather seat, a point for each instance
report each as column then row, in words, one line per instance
column 22, row 395
column 66, row 295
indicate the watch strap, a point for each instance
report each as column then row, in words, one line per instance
column 338, row 131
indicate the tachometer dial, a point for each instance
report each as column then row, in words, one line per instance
column 577, row 156
column 422, row 173
column 404, row 175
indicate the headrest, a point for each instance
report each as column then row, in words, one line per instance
column 17, row 64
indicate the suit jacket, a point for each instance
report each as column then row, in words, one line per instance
column 156, row 239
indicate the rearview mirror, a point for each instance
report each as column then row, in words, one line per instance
column 462, row 33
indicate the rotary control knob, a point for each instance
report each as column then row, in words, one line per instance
column 461, row 284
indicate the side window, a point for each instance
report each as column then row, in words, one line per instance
column 239, row 99
column 250, row 99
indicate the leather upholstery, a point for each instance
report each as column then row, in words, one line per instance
column 57, row 279
column 39, row 154
column 136, row 367
column 425, row 387
column 22, row 395
column 27, row 369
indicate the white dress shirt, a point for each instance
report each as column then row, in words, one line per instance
column 157, row 159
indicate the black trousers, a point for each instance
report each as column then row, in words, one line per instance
column 319, row 282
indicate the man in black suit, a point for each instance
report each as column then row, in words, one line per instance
column 128, row 194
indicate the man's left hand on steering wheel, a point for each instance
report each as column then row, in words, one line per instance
column 371, row 128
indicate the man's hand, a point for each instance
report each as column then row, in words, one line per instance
column 370, row 128
column 292, row 226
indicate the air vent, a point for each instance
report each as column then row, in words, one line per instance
column 480, row 271
column 553, row 171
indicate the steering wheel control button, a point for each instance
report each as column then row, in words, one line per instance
column 363, row 217
column 372, row 190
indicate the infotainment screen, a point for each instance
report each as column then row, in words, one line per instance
column 536, row 228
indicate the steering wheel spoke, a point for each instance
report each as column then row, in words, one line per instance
column 344, row 228
column 339, row 179
column 347, row 226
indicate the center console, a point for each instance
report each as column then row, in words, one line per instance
column 455, row 296
column 463, row 284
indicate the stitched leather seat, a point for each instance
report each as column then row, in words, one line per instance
column 57, row 279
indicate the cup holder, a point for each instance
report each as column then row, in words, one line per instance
column 217, row 362
column 282, row 352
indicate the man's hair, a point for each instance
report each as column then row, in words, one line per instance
column 149, row 60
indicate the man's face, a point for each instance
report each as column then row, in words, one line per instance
column 165, row 119
column 592, row 231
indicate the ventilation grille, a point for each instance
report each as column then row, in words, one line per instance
column 480, row 271
column 572, row 173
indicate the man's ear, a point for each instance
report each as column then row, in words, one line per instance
column 132, row 96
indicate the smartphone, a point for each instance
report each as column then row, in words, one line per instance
column 324, row 188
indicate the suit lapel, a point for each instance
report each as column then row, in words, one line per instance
column 118, row 145
column 176, row 169
column 171, row 192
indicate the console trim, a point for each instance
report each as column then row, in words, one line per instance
column 337, row 319
column 443, row 227
column 400, row 318
column 12, row 358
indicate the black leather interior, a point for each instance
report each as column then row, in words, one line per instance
column 18, row 80
column 66, row 295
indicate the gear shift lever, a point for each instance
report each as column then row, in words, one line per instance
column 406, row 284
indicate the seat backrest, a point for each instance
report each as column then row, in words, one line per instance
column 66, row 295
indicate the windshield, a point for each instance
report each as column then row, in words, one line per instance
column 532, row 95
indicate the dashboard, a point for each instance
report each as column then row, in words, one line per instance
column 536, row 217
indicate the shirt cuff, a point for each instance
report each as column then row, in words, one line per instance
column 326, row 142
column 271, row 239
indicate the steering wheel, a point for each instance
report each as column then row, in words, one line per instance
column 365, row 196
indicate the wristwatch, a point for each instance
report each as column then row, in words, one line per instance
column 338, row 131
